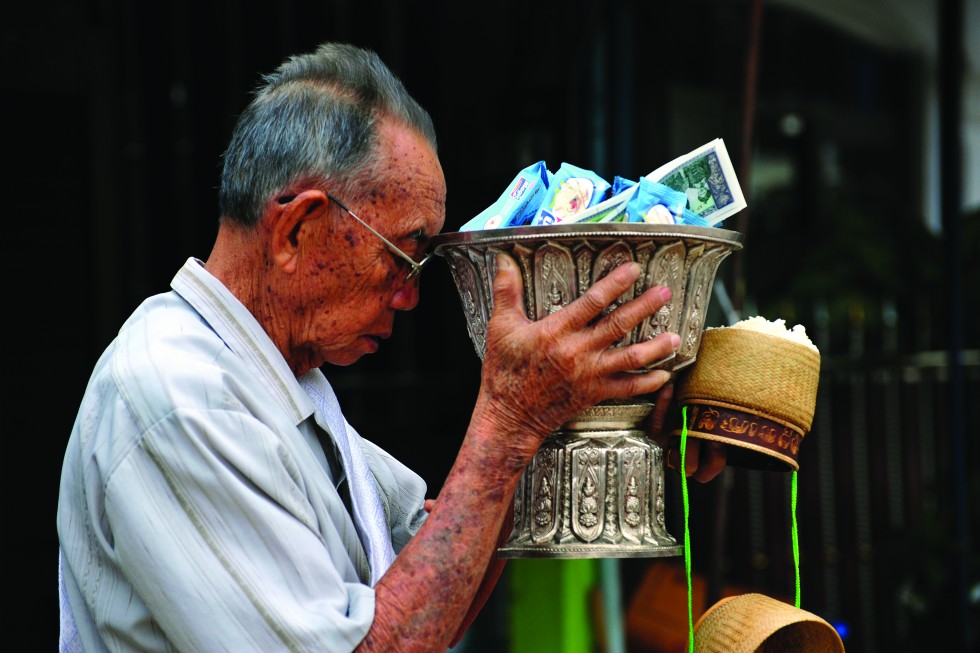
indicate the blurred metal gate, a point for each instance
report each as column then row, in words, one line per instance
column 880, row 514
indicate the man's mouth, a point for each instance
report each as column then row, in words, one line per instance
column 377, row 338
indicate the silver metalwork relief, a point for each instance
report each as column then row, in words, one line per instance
column 595, row 488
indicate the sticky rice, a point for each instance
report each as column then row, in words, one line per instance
column 753, row 386
column 776, row 328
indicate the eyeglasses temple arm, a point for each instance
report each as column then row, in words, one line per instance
column 387, row 242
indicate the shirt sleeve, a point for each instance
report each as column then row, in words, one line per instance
column 402, row 493
column 233, row 541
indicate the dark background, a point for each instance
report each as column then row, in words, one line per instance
column 117, row 114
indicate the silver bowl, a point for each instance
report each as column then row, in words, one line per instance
column 595, row 488
column 559, row 263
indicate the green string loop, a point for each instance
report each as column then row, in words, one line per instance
column 687, row 535
column 796, row 539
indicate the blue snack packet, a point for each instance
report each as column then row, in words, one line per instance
column 572, row 191
column 518, row 204
column 614, row 208
column 655, row 203
column 610, row 210
column 692, row 218
column 620, row 184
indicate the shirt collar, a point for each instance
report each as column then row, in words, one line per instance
column 242, row 333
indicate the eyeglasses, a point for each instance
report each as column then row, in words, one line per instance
column 416, row 265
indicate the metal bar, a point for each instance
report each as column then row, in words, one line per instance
column 823, row 424
column 888, row 380
column 951, row 68
column 612, row 605
column 862, row 489
column 753, row 37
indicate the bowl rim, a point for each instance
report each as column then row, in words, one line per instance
column 440, row 242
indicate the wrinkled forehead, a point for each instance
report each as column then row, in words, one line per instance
column 409, row 180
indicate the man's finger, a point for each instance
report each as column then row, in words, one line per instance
column 705, row 459
column 627, row 384
column 628, row 315
column 672, row 457
column 714, row 456
column 601, row 294
column 640, row 355
column 661, row 407
column 507, row 286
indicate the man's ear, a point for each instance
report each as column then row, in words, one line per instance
column 288, row 222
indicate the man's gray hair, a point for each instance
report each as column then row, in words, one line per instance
column 313, row 121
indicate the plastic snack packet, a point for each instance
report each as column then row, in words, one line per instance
column 692, row 218
column 610, row 210
column 620, row 184
column 655, row 203
column 518, row 204
column 572, row 191
column 613, row 207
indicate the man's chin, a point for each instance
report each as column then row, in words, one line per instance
column 349, row 356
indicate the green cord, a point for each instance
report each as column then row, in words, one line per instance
column 687, row 533
column 796, row 539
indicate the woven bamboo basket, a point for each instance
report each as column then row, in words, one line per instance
column 753, row 390
column 750, row 623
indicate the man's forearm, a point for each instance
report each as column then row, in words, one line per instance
column 422, row 601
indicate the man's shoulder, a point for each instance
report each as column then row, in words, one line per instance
column 166, row 333
column 163, row 357
column 162, row 362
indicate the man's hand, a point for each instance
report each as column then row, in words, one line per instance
column 704, row 459
column 539, row 374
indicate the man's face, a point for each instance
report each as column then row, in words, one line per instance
column 704, row 192
column 353, row 284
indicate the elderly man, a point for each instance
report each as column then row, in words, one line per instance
column 213, row 496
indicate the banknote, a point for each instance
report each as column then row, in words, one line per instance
column 707, row 177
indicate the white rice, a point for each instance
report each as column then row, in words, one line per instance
column 776, row 328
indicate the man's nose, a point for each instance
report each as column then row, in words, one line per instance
column 407, row 296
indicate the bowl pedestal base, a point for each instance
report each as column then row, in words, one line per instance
column 595, row 489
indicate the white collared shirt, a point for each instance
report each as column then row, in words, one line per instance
column 199, row 509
